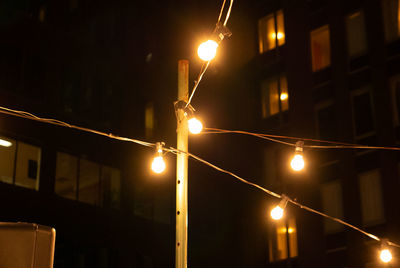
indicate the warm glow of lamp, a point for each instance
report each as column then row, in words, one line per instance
column 297, row 162
column 277, row 213
column 277, row 36
column 195, row 126
column 5, row 143
column 385, row 255
column 207, row 50
column 158, row 164
column 284, row 96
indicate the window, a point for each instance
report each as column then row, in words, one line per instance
column 391, row 19
column 274, row 96
column 42, row 13
column 20, row 163
column 371, row 197
column 271, row 31
column 283, row 240
column 362, row 113
column 326, row 120
column 87, row 181
column 331, row 194
column 149, row 119
column 356, row 37
column 66, row 175
column 395, row 92
column 320, row 48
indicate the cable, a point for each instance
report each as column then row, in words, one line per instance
column 228, row 13
column 268, row 137
column 204, row 68
column 372, row 236
column 222, row 10
column 30, row 116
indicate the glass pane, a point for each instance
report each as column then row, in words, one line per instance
column 363, row 118
column 284, row 96
column 66, row 174
column 149, row 119
column 89, row 188
column 371, row 197
column 281, row 241
column 332, row 204
column 264, row 99
column 110, row 187
column 281, row 28
column 273, row 97
column 7, row 159
column 320, row 48
column 266, row 33
column 292, row 230
column 356, row 39
column 28, row 166
column 391, row 19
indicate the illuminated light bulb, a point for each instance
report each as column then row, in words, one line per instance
column 207, row 50
column 277, row 212
column 385, row 255
column 284, row 96
column 158, row 164
column 195, row 126
column 297, row 162
column 5, row 143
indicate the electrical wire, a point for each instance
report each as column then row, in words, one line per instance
column 204, row 68
column 301, row 206
column 30, row 116
column 228, row 13
column 274, row 138
column 222, row 10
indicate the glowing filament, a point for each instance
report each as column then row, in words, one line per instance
column 385, row 255
column 297, row 162
column 277, row 213
column 195, row 126
column 207, row 50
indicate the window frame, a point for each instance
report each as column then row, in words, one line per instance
column 265, row 91
column 358, row 92
column 314, row 31
column 263, row 33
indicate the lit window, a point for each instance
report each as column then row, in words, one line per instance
column 89, row 182
column 371, row 197
column 356, row 39
column 332, row 203
column 271, row 31
column 363, row 113
column 283, row 240
column 391, row 17
column 27, row 166
column 320, row 48
column 66, row 175
column 42, row 14
column 7, row 161
column 149, row 119
column 274, row 96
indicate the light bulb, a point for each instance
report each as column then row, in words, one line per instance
column 385, row 255
column 207, row 50
column 284, row 96
column 297, row 162
column 195, row 126
column 277, row 213
column 158, row 164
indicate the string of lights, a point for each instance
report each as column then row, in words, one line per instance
column 284, row 198
column 30, row 116
column 158, row 166
column 275, row 138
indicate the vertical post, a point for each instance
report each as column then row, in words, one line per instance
column 182, row 170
